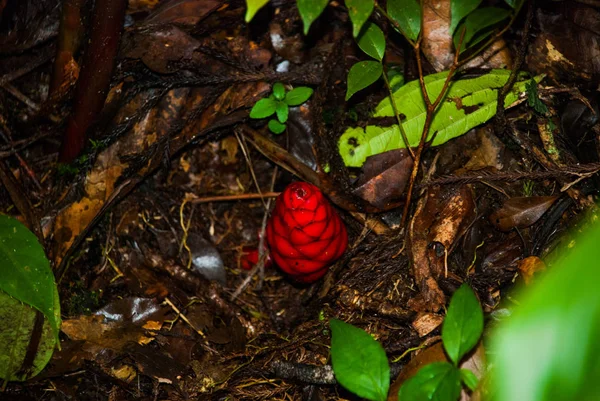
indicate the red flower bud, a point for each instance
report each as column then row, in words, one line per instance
column 250, row 257
column 305, row 233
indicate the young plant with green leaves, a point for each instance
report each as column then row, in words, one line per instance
column 361, row 366
column 278, row 103
column 29, row 304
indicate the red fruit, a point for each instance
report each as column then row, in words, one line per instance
column 305, row 233
column 250, row 257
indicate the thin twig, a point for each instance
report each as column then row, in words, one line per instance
column 228, row 198
column 395, row 108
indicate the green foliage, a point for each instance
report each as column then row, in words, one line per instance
column 459, row 9
column 467, row 103
column 252, row 7
column 278, row 103
column 463, row 324
column 372, row 41
column 477, row 26
column 548, row 350
column 469, row 379
column 361, row 75
column 310, row 11
column 407, row 15
column 533, row 99
column 438, row 381
column 27, row 283
column 359, row 362
column 359, row 11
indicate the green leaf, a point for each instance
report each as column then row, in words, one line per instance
column 463, row 324
column 25, row 270
column 263, row 108
column 252, row 8
column 359, row 11
column 298, row 95
column 533, row 99
column 361, row 75
column 548, row 349
column 407, row 14
column 278, row 91
column 468, row 103
column 359, row 362
column 372, row 41
column 16, row 333
column 469, row 379
column 477, row 26
column 310, row 11
column 459, row 9
column 276, row 127
column 515, row 4
column 396, row 78
column 281, row 109
column 439, row 381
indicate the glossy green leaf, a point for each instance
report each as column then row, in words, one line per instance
column 439, row 381
column 548, row 350
column 25, row 271
column 372, row 41
column 361, row 75
column 468, row 103
column 263, row 108
column 15, row 335
column 281, row 110
column 407, row 14
column 279, row 91
column 359, row 362
column 252, row 7
column 359, row 11
column 478, row 24
column 463, row 324
column 459, row 9
column 310, row 11
column 276, row 127
column 298, row 95
column 533, row 99
column 469, row 379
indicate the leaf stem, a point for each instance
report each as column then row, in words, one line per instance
column 395, row 108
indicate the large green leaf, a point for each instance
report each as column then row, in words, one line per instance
column 16, row 330
column 359, row 362
column 361, row 75
column 359, row 11
column 468, row 103
column 372, row 41
column 439, row 381
column 407, row 14
column 549, row 349
column 459, row 9
column 252, row 7
column 310, row 11
column 25, row 271
column 463, row 324
column 477, row 26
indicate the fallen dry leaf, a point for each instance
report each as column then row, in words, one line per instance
column 529, row 266
column 521, row 212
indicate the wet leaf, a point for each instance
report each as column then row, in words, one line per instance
column 206, row 259
column 297, row 96
column 359, row 361
column 282, row 110
column 407, row 14
column 521, row 212
column 310, row 11
column 361, row 75
column 477, row 26
column 276, row 127
column 372, row 41
column 25, row 270
column 438, row 381
column 470, row 102
column 384, row 177
column 463, row 325
column 359, row 11
column 459, row 9
column 263, row 108
column 252, row 8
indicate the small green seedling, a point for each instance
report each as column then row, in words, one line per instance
column 278, row 103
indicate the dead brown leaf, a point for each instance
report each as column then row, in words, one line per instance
column 521, row 212
column 529, row 266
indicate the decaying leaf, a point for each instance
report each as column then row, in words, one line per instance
column 529, row 266
column 521, row 212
